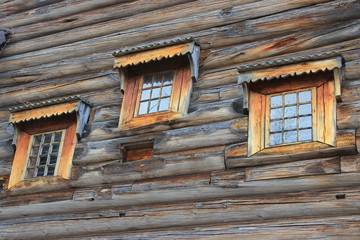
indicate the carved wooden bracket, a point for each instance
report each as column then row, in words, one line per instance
column 276, row 69
column 156, row 52
column 48, row 109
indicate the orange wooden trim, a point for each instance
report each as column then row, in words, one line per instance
column 154, row 54
column 43, row 112
column 330, row 113
column 67, row 153
column 20, row 159
column 129, row 100
column 185, row 90
column 256, row 123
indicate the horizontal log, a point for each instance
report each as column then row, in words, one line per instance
column 292, row 169
column 198, row 23
column 350, row 163
column 236, row 155
column 197, row 194
column 197, row 217
column 17, row 6
column 348, row 114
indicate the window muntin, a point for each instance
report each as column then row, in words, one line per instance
column 155, row 93
column 44, row 155
column 290, row 117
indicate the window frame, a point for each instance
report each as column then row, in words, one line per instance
column 324, row 118
column 179, row 99
column 25, row 132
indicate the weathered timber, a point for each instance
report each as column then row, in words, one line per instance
column 298, row 168
column 187, row 218
column 350, row 163
column 23, row 5
column 236, row 155
column 111, row 42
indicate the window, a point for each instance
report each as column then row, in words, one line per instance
column 137, row 151
column 156, row 81
column 46, row 135
column 292, row 105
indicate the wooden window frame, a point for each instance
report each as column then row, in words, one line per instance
column 179, row 100
column 324, row 113
column 68, row 123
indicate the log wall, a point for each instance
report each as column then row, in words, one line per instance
column 198, row 184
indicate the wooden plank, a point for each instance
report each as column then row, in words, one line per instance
column 293, row 169
column 17, row 6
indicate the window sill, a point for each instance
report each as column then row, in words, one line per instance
column 236, row 155
column 38, row 182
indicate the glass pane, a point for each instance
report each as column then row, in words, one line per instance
column 290, row 98
column 290, row 111
column 275, row 138
column 158, row 80
column 275, row 126
column 305, row 122
column 164, row 104
column 153, row 106
column 57, row 137
column 45, row 149
column 32, row 162
column 304, row 96
column 166, row 91
column 51, row 171
column 147, row 81
column 155, row 93
column 290, row 123
column 143, row 108
column 305, row 135
column 276, row 113
column 55, row 148
column 305, row 109
column 169, row 76
column 37, row 140
column 276, row 101
column 34, row 151
column 30, row 173
column 290, row 137
column 145, row 94
column 53, row 159
column 47, row 138
column 40, row 171
column 43, row 160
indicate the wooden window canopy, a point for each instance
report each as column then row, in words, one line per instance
column 295, row 66
column 159, row 51
column 52, row 108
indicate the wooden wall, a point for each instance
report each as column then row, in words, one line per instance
column 60, row 48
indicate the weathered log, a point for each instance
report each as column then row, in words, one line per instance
column 198, row 23
column 17, row 6
column 350, row 163
column 297, row 168
column 199, row 216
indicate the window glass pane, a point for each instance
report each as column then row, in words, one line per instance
column 40, row 171
column 276, row 113
column 143, row 108
column 30, row 173
column 158, row 80
column 290, row 98
column 275, row 126
column 34, row 151
column 55, row 148
column 305, row 135
column 43, row 160
column 154, row 106
column 304, row 96
column 32, row 162
column 305, row 109
column 45, row 149
column 290, row 137
column 290, row 123
column 164, row 104
column 57, row 137
column 166, row 91
column 169, row 76
column 155, row 93
column 275, row 138
column 276, row 101
column 37, row 140
column 51, row 171
column 47, row 138
column 53, row 159
column 147, row 81
column 290, row 111
column 145, row 94
column 305, row 122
